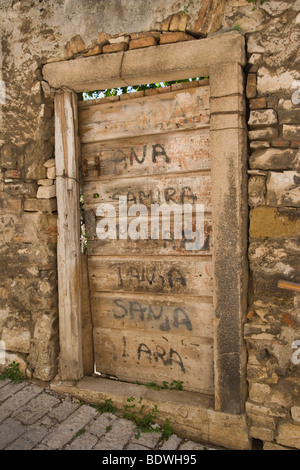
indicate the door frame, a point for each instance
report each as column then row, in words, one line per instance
column 222, row 58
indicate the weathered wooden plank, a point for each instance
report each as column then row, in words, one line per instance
column 184, row 316
column 186, row 109
column 149, row 246
column 189, row 275
column 146, row 155
column 68, row 240
column 132, row 356
column 87, row 327
column 192, row 189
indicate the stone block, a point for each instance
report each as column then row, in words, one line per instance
column 9, row 156
column 209, row 19
column 255, row 58
column 68, row 429
column 295, row 143
column 154, row 34
column 251, row 85
column 256, row 190
column 51, row 173
column 272, row 446
column 274, row 159
column 288, row 113
column 227, row 104
column 94, row 51
column 178, row 22
column 40, row 205
column 264, row 434
column 269, row 422
column 258, row 103
column 220, row 423
column 282, row 398
column 259, row 392
column 264, row 411
column 36, row 408
column 269, row 82
column 85, row 441
column 44, row 347
column 10, row 430
column 142, row 42
column 280, row 143
column 77, row 44
column 31, row 437
column 263, row 134
column 283, row 189
column 16, row 339
column 274, row 258
column 103, row 38
column 295, row 412
column 171, row 37
column 164, row 26
column 45, row 182
column 117, row 47
column 14, row 174
column 171, row 443
column 119, row 39
column 259, row 144
column 290, row 132
column 269, row 222
column 83, row 74
column 289, row 435
column 117, row 437
column 68, row 50
column 50, row 163
column 226, row 79
column 11, row 205
column 63, row 410
column 227, row 121
column 262, row 118
column 46, row 192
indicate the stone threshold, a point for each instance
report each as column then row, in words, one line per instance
column 191, row 414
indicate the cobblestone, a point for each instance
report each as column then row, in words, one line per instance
column 32, row 417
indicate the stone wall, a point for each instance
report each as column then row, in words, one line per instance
column 36, row 32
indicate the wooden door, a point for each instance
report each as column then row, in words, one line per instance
column 151, row 299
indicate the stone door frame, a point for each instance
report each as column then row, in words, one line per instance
column 222, row 58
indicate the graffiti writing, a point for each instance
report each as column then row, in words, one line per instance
column 146, row 312
column 129, row 157
column 160, row 354
column 156, row 196
column 142, row 276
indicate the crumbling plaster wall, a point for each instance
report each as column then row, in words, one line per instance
column 35, row 32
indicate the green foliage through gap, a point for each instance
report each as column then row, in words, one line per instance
column 132, row 89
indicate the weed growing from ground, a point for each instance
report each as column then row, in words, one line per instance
column 106, row 407
column 13, row 373
column 135, row 412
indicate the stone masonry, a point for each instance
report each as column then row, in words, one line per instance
column 36, row 32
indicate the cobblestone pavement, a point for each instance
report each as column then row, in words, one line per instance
column 32, row 417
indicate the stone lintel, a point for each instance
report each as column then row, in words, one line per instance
column 134, row 67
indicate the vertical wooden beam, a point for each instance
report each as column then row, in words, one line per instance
column 68, row 242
